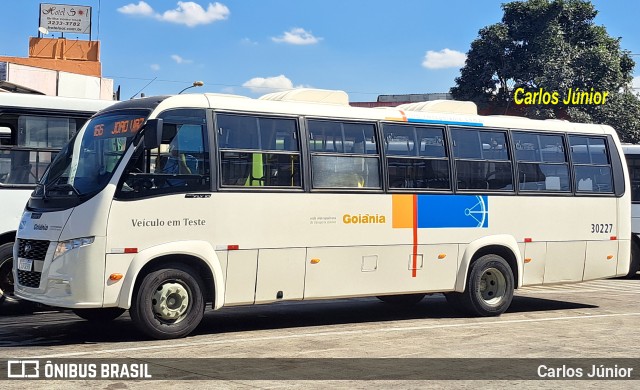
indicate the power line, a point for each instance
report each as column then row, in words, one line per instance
column 134, row 95
column 208, row 83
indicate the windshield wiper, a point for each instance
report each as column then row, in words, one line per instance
column 62, row 187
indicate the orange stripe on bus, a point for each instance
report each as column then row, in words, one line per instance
column 402, row 211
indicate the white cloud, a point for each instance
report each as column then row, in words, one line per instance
column 269, row 84
column 635, row 83
column 141, row 8
column 444, row 58
column 155, row 67
column 297, row 36
column 192, row 14
column 188, row 13
column 180, row 60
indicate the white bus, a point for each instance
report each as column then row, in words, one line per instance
column 632, row 154
column 166, row 205
column 33, row 128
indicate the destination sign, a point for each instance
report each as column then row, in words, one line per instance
column 121, row 128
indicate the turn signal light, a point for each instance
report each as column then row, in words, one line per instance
column 115, row 277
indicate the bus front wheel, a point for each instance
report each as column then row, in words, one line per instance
column 169, row 302
column 489, row 291
column 6, row 274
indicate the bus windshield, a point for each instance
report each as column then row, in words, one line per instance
column 85, row 165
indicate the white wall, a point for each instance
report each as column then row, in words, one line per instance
column 58, row 83
column 43, row 80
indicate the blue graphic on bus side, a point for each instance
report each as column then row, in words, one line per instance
column 453, row 211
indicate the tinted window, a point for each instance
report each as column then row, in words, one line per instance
column 343, row 155
column 588, row 150
column 180, row 164
column 591, row 164
column 542, row 162
column 258, row 151
column 633, row 162
column 402, row 141
column 482, row 160
column 256, row 133
column 416, row 157
column 46, row 132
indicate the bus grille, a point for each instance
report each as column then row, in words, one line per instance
column 32, row 249
column 35, row 250
column 29, row 278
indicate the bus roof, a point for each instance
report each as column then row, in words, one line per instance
column 30, row 101
column 631, row 148
column 330, row 104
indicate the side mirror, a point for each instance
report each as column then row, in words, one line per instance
column 153, row 133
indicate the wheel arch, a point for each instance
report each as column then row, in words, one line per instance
column 504, row 246
column 7, row 237
column 200, row 256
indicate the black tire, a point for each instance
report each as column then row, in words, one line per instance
column 99, row 315
column 635, row 261
column 6, row 274
column 489, row 289
column 402, row 300
column 168, row 303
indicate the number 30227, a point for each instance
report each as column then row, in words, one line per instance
column 601, row 228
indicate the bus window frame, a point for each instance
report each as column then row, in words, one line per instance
column 448, row 158
column 217, row 152
column 377, row 133
column 51, row 113
column 510, row 159
column 565, row 144
column 617, row 188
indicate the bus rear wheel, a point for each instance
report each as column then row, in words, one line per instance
column 635, row 260
column 489, row 291
column 169, row 302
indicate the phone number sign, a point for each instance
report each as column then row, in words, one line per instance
column 66, row 18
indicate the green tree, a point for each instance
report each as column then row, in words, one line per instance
column 554, row 45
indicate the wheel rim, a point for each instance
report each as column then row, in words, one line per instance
column 171, row 302
column 493, row 286
column 6, row 278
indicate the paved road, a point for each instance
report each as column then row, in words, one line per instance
column 595, row 320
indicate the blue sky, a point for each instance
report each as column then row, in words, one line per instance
column 250, row 47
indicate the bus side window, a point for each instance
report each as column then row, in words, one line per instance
column 541, row 162
column 416, row 157
column 633, row 162
column 180, row 164
column 257, row 151
column 591, row 165
column 348, row 156
column 482, row 160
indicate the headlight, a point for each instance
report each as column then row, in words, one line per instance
column 65, row 246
